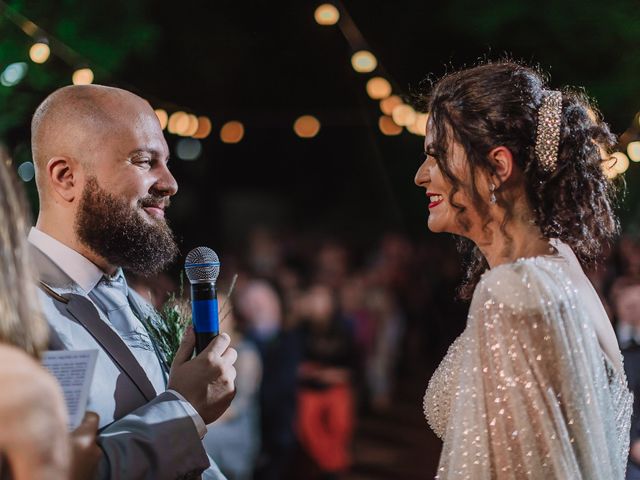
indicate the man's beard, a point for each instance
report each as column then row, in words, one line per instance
column 117, row 232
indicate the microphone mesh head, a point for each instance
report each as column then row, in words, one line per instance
column 202, row 265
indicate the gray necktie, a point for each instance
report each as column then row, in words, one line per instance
column 110, row 296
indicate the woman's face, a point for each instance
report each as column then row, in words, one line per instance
column 443, row 217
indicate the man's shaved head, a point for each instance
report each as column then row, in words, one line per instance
column 73, row 120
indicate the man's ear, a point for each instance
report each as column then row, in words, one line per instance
column 63, row 174
column 502, row 161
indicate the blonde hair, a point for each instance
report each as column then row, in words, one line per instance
column 21, row 322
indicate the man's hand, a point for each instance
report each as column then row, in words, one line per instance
column 206, row 381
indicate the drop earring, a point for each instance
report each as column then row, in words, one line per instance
column 492, row 189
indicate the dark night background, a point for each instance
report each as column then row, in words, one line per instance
column 265, row 63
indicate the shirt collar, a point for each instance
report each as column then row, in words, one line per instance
column 76, row 266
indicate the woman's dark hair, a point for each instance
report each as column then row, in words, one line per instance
column 496, row 104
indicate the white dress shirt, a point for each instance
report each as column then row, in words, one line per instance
column 87, row 275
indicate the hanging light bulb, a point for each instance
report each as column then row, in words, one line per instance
column 364, row 61
column 39, row 52
column 633, row 150
column 378, row 88
column 388, row 126
column 232, row 132
column 178, row 122
column 82, row 76
column 621, row 162
column 327, row 14
column 204, row 128
column 388, row 104
column 306, row 126
column 403, row 115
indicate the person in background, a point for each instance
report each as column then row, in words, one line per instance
column 325, row 397
column 260, row 309
column 625, row 301
column 34, row 442
column 233, row 441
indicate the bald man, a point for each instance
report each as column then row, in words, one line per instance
column 103, row 184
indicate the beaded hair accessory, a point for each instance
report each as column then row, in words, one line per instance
column 548, row 134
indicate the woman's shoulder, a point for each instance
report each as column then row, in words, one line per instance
column 526, row 283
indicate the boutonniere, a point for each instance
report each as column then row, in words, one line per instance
column 173, row 318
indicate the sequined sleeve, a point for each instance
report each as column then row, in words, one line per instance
column 531, row 398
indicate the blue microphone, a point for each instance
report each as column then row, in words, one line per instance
column 202, row 267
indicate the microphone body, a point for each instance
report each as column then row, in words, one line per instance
column 204, row 313
column 202, row 267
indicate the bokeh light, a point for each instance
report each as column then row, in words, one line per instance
column 191, row 128
column 633, row 150
column 388, row 104
column 39, row 52
column 403, row 115
column 364, row 61
column 82, row 76
column 163, row 117
column 327, row 14
column 378, row 88
column 621, row 162
column 178, row 122
column 306, row 126
column 388, row 126
column 419, row 126
column 204, row 128
column 13, row 74
column 26, row 171
column 232, row 132
column 188, row 148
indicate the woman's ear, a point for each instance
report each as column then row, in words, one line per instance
column 502, row 161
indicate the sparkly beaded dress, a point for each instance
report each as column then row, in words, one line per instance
column 526, row 391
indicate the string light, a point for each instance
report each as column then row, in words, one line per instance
column 13, row 74
column 388, row 126
column 188, row 148
column 364, row 61
column 378, row 88
column 82, row 76
column 163, row 117
column 232, row 132
column 204, row 128
column 178, row 122
column 403, row 115
column 327, row 14
column 633, row 150
column 419, row 126
column 192, row 126
column 621, row 162
column 306, row 126
column 388, row 104
column 39, row 52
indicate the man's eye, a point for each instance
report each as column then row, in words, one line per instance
column 142, row 160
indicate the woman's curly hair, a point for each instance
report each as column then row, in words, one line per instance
column 496, row 104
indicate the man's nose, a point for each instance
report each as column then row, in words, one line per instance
column 166, row 183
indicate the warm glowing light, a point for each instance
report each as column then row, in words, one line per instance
column 388, row 126
column 403, row 115
column 621, row 162
column 378, row 88
column 327, row 14
column 204, row 128
column 191, row 128
column 633, row 150
column 163, row 118
column 306, row 126
column 364, row 61
column 82, row 76
column 388, row 104
column 419, row 126
column 178, row 122
column 39, row 52
column 232, row 132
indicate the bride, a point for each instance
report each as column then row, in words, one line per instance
column 534, row 388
